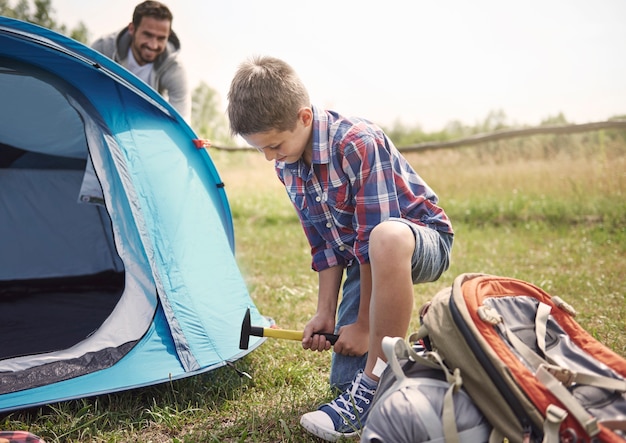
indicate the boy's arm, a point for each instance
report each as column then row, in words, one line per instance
column 324, row 318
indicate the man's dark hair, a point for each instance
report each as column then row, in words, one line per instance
column 153, row 9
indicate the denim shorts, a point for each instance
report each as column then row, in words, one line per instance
column 431, row 258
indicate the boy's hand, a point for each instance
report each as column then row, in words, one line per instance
column 353, row 340
column 314, row 341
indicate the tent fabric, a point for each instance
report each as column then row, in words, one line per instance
column 81, row 231
column 106, row 205
column 58, row 128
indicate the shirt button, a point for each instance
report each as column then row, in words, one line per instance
column 329, row 225
column 318, row 199
column 341, row 248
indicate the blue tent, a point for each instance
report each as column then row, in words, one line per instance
column 117, row 265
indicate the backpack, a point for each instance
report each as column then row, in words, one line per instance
column 536, row 374
column 417, row 401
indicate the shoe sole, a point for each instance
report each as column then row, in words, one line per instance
column 325, row 434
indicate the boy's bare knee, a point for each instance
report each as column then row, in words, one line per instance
column 390, row 240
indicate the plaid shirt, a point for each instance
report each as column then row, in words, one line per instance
column 357, row 179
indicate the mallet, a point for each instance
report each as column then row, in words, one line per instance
column 257, row 331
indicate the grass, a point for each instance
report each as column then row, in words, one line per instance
column 556, row 220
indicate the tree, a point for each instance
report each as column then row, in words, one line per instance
column 42, row 16
column 207, row 119
column 80, row 33
column 496, row 120
column 554, row 120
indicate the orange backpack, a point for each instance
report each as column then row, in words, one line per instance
column 532, row 370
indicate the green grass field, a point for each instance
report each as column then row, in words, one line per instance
column 557, row 220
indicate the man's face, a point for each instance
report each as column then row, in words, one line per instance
column 149, row 39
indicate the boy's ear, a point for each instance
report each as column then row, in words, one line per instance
column 306, row 116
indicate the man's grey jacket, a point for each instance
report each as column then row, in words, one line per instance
column 168, row 78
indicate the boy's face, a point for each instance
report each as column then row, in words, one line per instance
column 286, row 146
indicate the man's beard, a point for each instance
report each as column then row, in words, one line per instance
column 140, row 54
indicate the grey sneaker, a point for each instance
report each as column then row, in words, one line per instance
column 344, row 416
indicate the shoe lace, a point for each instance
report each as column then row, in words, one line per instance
column 352, row 399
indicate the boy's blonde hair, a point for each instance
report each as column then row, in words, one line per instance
column 265, row 94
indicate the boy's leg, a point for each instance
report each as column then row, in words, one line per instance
column 401, row 254
column 343, row 368
column 394, row 270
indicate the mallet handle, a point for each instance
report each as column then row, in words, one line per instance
column 290, row 335
column 282, row 333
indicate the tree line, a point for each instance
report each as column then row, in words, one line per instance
column 210, row 122
column 42, row 14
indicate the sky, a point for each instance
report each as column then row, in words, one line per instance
column 415, row 62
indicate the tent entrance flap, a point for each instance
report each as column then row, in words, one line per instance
column 62, row 277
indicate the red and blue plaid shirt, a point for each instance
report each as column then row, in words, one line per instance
column 356, row 180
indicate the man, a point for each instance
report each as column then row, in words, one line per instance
column 149, row 48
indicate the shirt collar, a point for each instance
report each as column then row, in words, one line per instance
column 321, row 143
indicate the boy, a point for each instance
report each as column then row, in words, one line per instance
column 364, row 211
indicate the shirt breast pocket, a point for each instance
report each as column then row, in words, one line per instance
column 339, row 201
